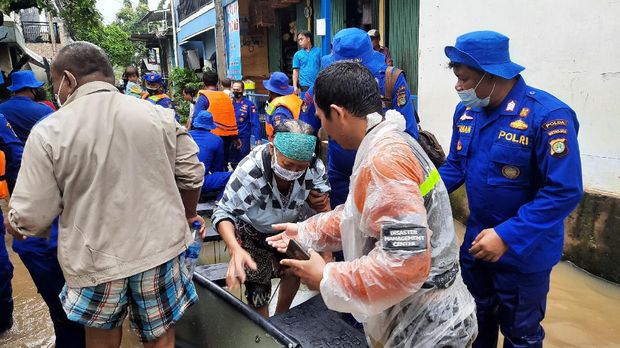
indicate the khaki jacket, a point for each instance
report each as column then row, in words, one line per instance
column 111, row 166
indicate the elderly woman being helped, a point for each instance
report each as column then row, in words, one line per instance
column 283, row 181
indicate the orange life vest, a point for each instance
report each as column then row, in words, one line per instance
column 292, row 102
column 220, row 105
column 4, row 187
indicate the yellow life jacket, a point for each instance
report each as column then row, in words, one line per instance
column 292, row 102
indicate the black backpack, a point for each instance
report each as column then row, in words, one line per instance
column 427, row 140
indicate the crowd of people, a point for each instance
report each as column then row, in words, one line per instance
column 104, row 189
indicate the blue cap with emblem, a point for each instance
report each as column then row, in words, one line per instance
column 355, row 44
column 278, row 84
column 153, row 77
column 484, row 50
column 23, row 79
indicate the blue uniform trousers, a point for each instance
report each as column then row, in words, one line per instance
column 239, row 154
column 511, row 301
column 49, row 280
column 6, row 293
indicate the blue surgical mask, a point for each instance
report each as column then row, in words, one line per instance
column 470, row 98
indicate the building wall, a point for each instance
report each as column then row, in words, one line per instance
column 568, row 50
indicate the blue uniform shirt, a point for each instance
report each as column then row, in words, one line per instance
column 13, row 148
column 23, row 113
column 521, row 166
column 247, row 119
column 211, row 154
column 308, row 63
column 340, row 161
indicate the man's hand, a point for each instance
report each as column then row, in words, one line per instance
column 309, row 272
column 8, row 228
column 239, row 259
column 279, row 242
column 297, row 90
column 488, row 246
column 238, row 144
column 198, row 218
column 318, row 201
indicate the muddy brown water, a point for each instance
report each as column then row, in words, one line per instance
column 582, row 310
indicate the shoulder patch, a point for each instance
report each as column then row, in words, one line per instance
column 558, row 147
column 554, row 123
column 409, row 237
column 401, row 95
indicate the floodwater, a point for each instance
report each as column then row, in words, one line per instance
column 582, row 310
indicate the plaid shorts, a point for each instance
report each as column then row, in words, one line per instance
column 156, row 298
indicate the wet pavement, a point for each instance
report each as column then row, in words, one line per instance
column 582, row 310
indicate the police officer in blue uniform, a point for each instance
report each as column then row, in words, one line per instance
column 355, row 44
column 154, row 92
column 515, row 149
column 211, row 154
column 21, row 110
column 38, row 254
column 247, row 122
column 12, row 148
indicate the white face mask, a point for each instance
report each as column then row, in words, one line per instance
column 283, row 173
column 470, row 98
column 57, row 95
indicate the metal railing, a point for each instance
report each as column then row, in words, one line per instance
column 39, row 32
column 188, row 7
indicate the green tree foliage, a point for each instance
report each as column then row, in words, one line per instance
column 84, row 23
column 129, row 19
column 179, row 78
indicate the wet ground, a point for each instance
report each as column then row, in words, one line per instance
column 582, row 310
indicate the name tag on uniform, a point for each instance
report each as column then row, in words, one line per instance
column 409, row 237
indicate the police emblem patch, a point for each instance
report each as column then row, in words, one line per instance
column 511, row 106
column 524, row 112
column 401, row 96
column 465, row 117
column 510, row 172
column 459, row 146
column 304, row 106
column 559, row 148
column 518, row 124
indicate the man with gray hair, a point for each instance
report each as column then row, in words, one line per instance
column 126, row 190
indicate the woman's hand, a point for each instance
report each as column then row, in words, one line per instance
column 239, row 260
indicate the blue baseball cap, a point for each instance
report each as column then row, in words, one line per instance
column 204, row 120
column 278, row 84
column 355, row 44
column 23, row 79
column 153, row 77
column 484, row 50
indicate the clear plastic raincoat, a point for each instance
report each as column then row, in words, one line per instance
column 400, row 276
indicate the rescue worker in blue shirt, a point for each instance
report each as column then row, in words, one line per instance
column 154, row 92
column 515, row 149
column 247, row 122
column 38, row 254
column 211, row 154
column 11, row 149
column 21, row 110
column 355, row 44
column 283, row 103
